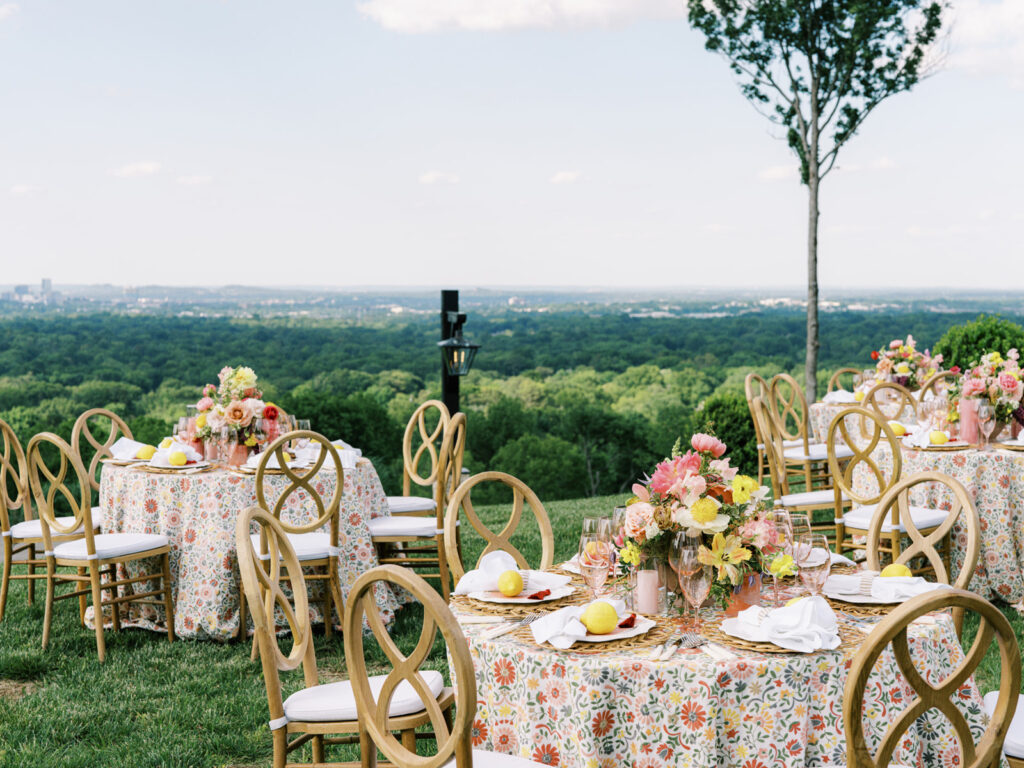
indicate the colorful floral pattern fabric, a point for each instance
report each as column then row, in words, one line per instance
column 754, row 711
column 995, row 480
column 198, row 514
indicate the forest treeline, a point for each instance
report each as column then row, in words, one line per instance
column 575, row 404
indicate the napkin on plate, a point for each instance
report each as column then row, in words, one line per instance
column 839, row 396
column 563, row 627
column 807, row 625
column 254, row 461
column 838, row 559
column 493, row 564
column 921, row 436
column 125, row 448
column 889, row 589
column 342, row 445
column 162, row 456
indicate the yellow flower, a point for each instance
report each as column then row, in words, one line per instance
column 200, row 421
column 725, row 554
column 251, row 440
column 742, row 487
column 902, row 368
column 704, row 511
column 630, row 554
column 782, row 565
column 245, row 378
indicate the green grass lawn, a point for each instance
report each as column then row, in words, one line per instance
column 190, row 703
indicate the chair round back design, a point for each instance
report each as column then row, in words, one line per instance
column 52, row 486
column 835, row 382
column 496, row 541
column 789, row 407
column 430, row 440
column 874, row 429
column 102, row 449
column 772, row 446
column 302, row 479
column 14, row 491
column 893, row 629
column 450, row 464
column 373, row 711
column 936, row 383
column 891, row 401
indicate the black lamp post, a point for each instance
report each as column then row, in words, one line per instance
column 456, row 353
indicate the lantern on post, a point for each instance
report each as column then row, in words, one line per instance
column 457, row 354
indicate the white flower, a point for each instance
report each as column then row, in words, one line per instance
column 257, row 407
column 684, row 519
column 652, row 530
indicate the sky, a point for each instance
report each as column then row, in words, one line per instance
column 474, row 143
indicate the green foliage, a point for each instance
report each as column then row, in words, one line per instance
column 730, row 418
column 553, row 466
column 148, row 429
column 963, row 344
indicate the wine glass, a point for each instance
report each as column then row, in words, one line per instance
column 783, row 538
column 605, row 533
column 181, row 429
column 799, row 525
column 815, row 561
column 683, row 558
column 696, row 587
column 595, row 560
column 986, row 420
column 618, row 522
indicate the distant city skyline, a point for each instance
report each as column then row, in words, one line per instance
column 416, row 143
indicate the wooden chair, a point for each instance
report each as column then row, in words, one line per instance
column 937, row 382
column 891, row 401
column 92, row 555
column 893, row 630
column 416, row 541
column 895, row 505
column 431, row 439
column 754, row 385
column 315, row 547
column 376, row 722
column 27, row 535
column 803, row 501
column 835, row 381
column 521, row 493
column 99, row 450
column 315, row 711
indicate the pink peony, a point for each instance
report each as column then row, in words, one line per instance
column 1008, row 382
column 759, row 533
column 638, row 516
column 204, row 404
column 668, row 473
column 641, row 492
column 895, row 344
column 721, row 467
column 707, row 444
column 973, row 388
column 1013, row 354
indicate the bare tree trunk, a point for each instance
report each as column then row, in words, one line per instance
column 811, row 368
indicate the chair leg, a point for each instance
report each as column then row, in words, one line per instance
column 115, row 608
column 6, row 577
column 367, row 751
column 31, row 573
column 325, row 606
column 280, row 748
column 336, row 598
column 442, row 567
column 409, row 740
column 83, row 599
column 318, row 749
column 97, row 609
column 168, row 597
column 48, row 610
column 243, row 615
column 760, row 466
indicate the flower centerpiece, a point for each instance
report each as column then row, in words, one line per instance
column 235, row 404
column 700, row 493
column 902, row 363
column 994, row 379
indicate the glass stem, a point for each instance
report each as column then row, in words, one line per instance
column 775, row 590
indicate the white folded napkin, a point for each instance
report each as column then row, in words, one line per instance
column 339, row 443
column 814, row 556
column 563, row 627
column 162, row 456
column 807, row 625
column 838, row 559
column 889, row 589
column 125, row 448
column 272, row 463
column 493, row 564
column 1013, row 441
column 839, row 396
column 921, row 436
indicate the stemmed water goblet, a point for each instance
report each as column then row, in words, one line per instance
column 986, row 421
column 814, row 559
column 696, row 588
column 683, row 559
column 595, row 560
column 782, row 536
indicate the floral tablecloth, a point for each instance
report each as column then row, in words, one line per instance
column 754, row 711
column 198, row 512
column 820, row 415
column 995, row 480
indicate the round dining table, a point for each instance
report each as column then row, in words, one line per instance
column 579, row 708
column 197, row 511
column 994, row 479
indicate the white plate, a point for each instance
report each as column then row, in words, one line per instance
column 859, row 599
column 642, row 627
column 197, row 465
column 124, row 462
column 496, row 597
column 934, row 446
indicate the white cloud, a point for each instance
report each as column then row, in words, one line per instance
column 146, row 168
column 988, row 39
column 419, row 16
column 7, row 10
column 778, row 172
column 565, row 177
column 438, row 177
column 24, row 190
column 194, row 181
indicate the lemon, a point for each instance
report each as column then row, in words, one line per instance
column 793, row 601
column 599, row 618
column 146, row 452
column 938, row 437
column 510, row 583
column 896, row 569
column 897, row 429
column 166, row 442
column 858, row 396
column 177, row 459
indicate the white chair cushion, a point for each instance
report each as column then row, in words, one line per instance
column 405, row 525
column 31, row 529
column 97, row 517
column 110, row 545
column 482, row 759
column 816, row 452
column 335, row 702
column 307, row 546
column 922, row 517
column 400, row 505
column 1014, row 744
column 785, row 444
column 810, row 498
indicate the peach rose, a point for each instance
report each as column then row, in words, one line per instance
column 707, row 444
column 239, row 413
